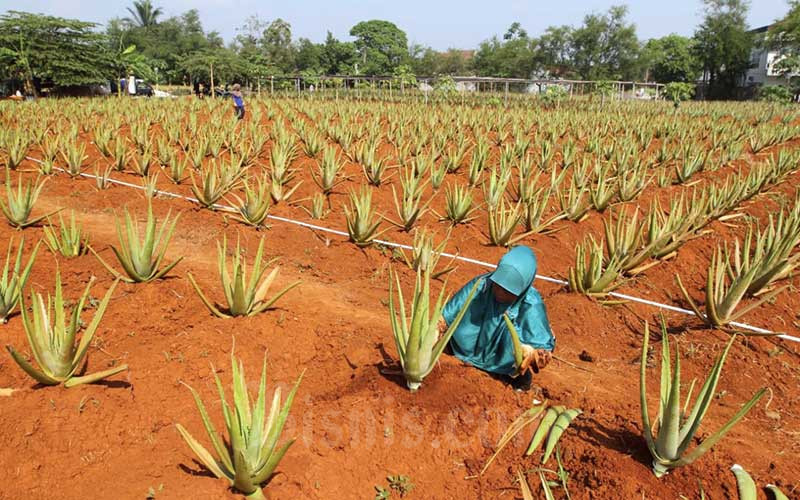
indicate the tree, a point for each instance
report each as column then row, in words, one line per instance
column 63, row 51
column 381, row 46
column 722, row 45
column 338, row 58
column 166, row 44
column 672, row 59
column 308, row 56
column 215, row 65
column 513, row 57
column 606, row 46
column 143, row 14
column 784, row 36
column 678, row 92
column 277, row 42
column 552, row 51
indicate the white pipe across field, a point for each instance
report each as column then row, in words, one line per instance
column 488, row 265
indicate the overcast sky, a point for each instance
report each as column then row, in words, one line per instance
column 438, row 23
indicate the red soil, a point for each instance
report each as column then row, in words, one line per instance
column 355, row 421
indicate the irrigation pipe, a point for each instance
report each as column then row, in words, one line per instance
column 392, row 244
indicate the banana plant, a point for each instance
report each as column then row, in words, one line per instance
column 69, row 240
column 250, row 454
column 244, row 297
column 53, row 344
column 417, row 338
column 139, row 257
column 18, row 206
column 13, row 279
column 669, row 439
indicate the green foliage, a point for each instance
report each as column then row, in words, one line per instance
column 250, row 454
column 678, row 92
column 62, row 51
column 553, row 95
column 404, row 75
column 723, row 43
column 775, row 93
column 606, row 46
column 674, row 430
column 243, row 296
column 381, row 46
column 52, row 339
column 672, row 59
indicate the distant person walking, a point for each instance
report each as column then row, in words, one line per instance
column 131, row 85
column 238, row 101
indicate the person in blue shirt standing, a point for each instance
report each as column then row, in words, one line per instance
column 482, row 338
column 238, row 101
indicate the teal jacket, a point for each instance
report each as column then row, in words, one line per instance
column 482, row 338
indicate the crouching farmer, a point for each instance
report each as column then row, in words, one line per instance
column 482, row 338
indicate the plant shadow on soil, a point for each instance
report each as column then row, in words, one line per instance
column 617, row 438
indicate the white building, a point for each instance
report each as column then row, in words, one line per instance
column 762, row 63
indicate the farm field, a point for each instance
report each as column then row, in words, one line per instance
column 557, row 179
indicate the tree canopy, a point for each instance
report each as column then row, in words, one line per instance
column 381, row 46
column 723, row 44
column 672, row 59
column 53, row 49
column 177, row 49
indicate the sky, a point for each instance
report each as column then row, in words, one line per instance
column 441, row 24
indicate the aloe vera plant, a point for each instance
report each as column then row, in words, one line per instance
column 362, row 222
column 18, row 206
column 74, row 157
column 13, row 279
column 552, row 426
column 245, row 289
column 215, row 182
column 458, row 206
column 747, row 487
column 594, row 277
column 503, row 221
column 409, row 207
column 669, row 439
column 69, row 240
column 425, row 254
column 141, row 257
column 254, row 208
column 417, row 337
column 723, row 297
column 53, row 344
column 250, row 454
column 328, row 170
column 318, row 210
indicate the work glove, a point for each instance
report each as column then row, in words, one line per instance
column 534, row 359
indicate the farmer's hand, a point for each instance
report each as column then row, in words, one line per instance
column 536, row 359
column 441, row 326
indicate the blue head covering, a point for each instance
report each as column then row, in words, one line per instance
column 516, row 270
column 482, row 338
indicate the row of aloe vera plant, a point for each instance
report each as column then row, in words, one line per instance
column 59, row 342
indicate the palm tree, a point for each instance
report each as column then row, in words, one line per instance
column 143, row 13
